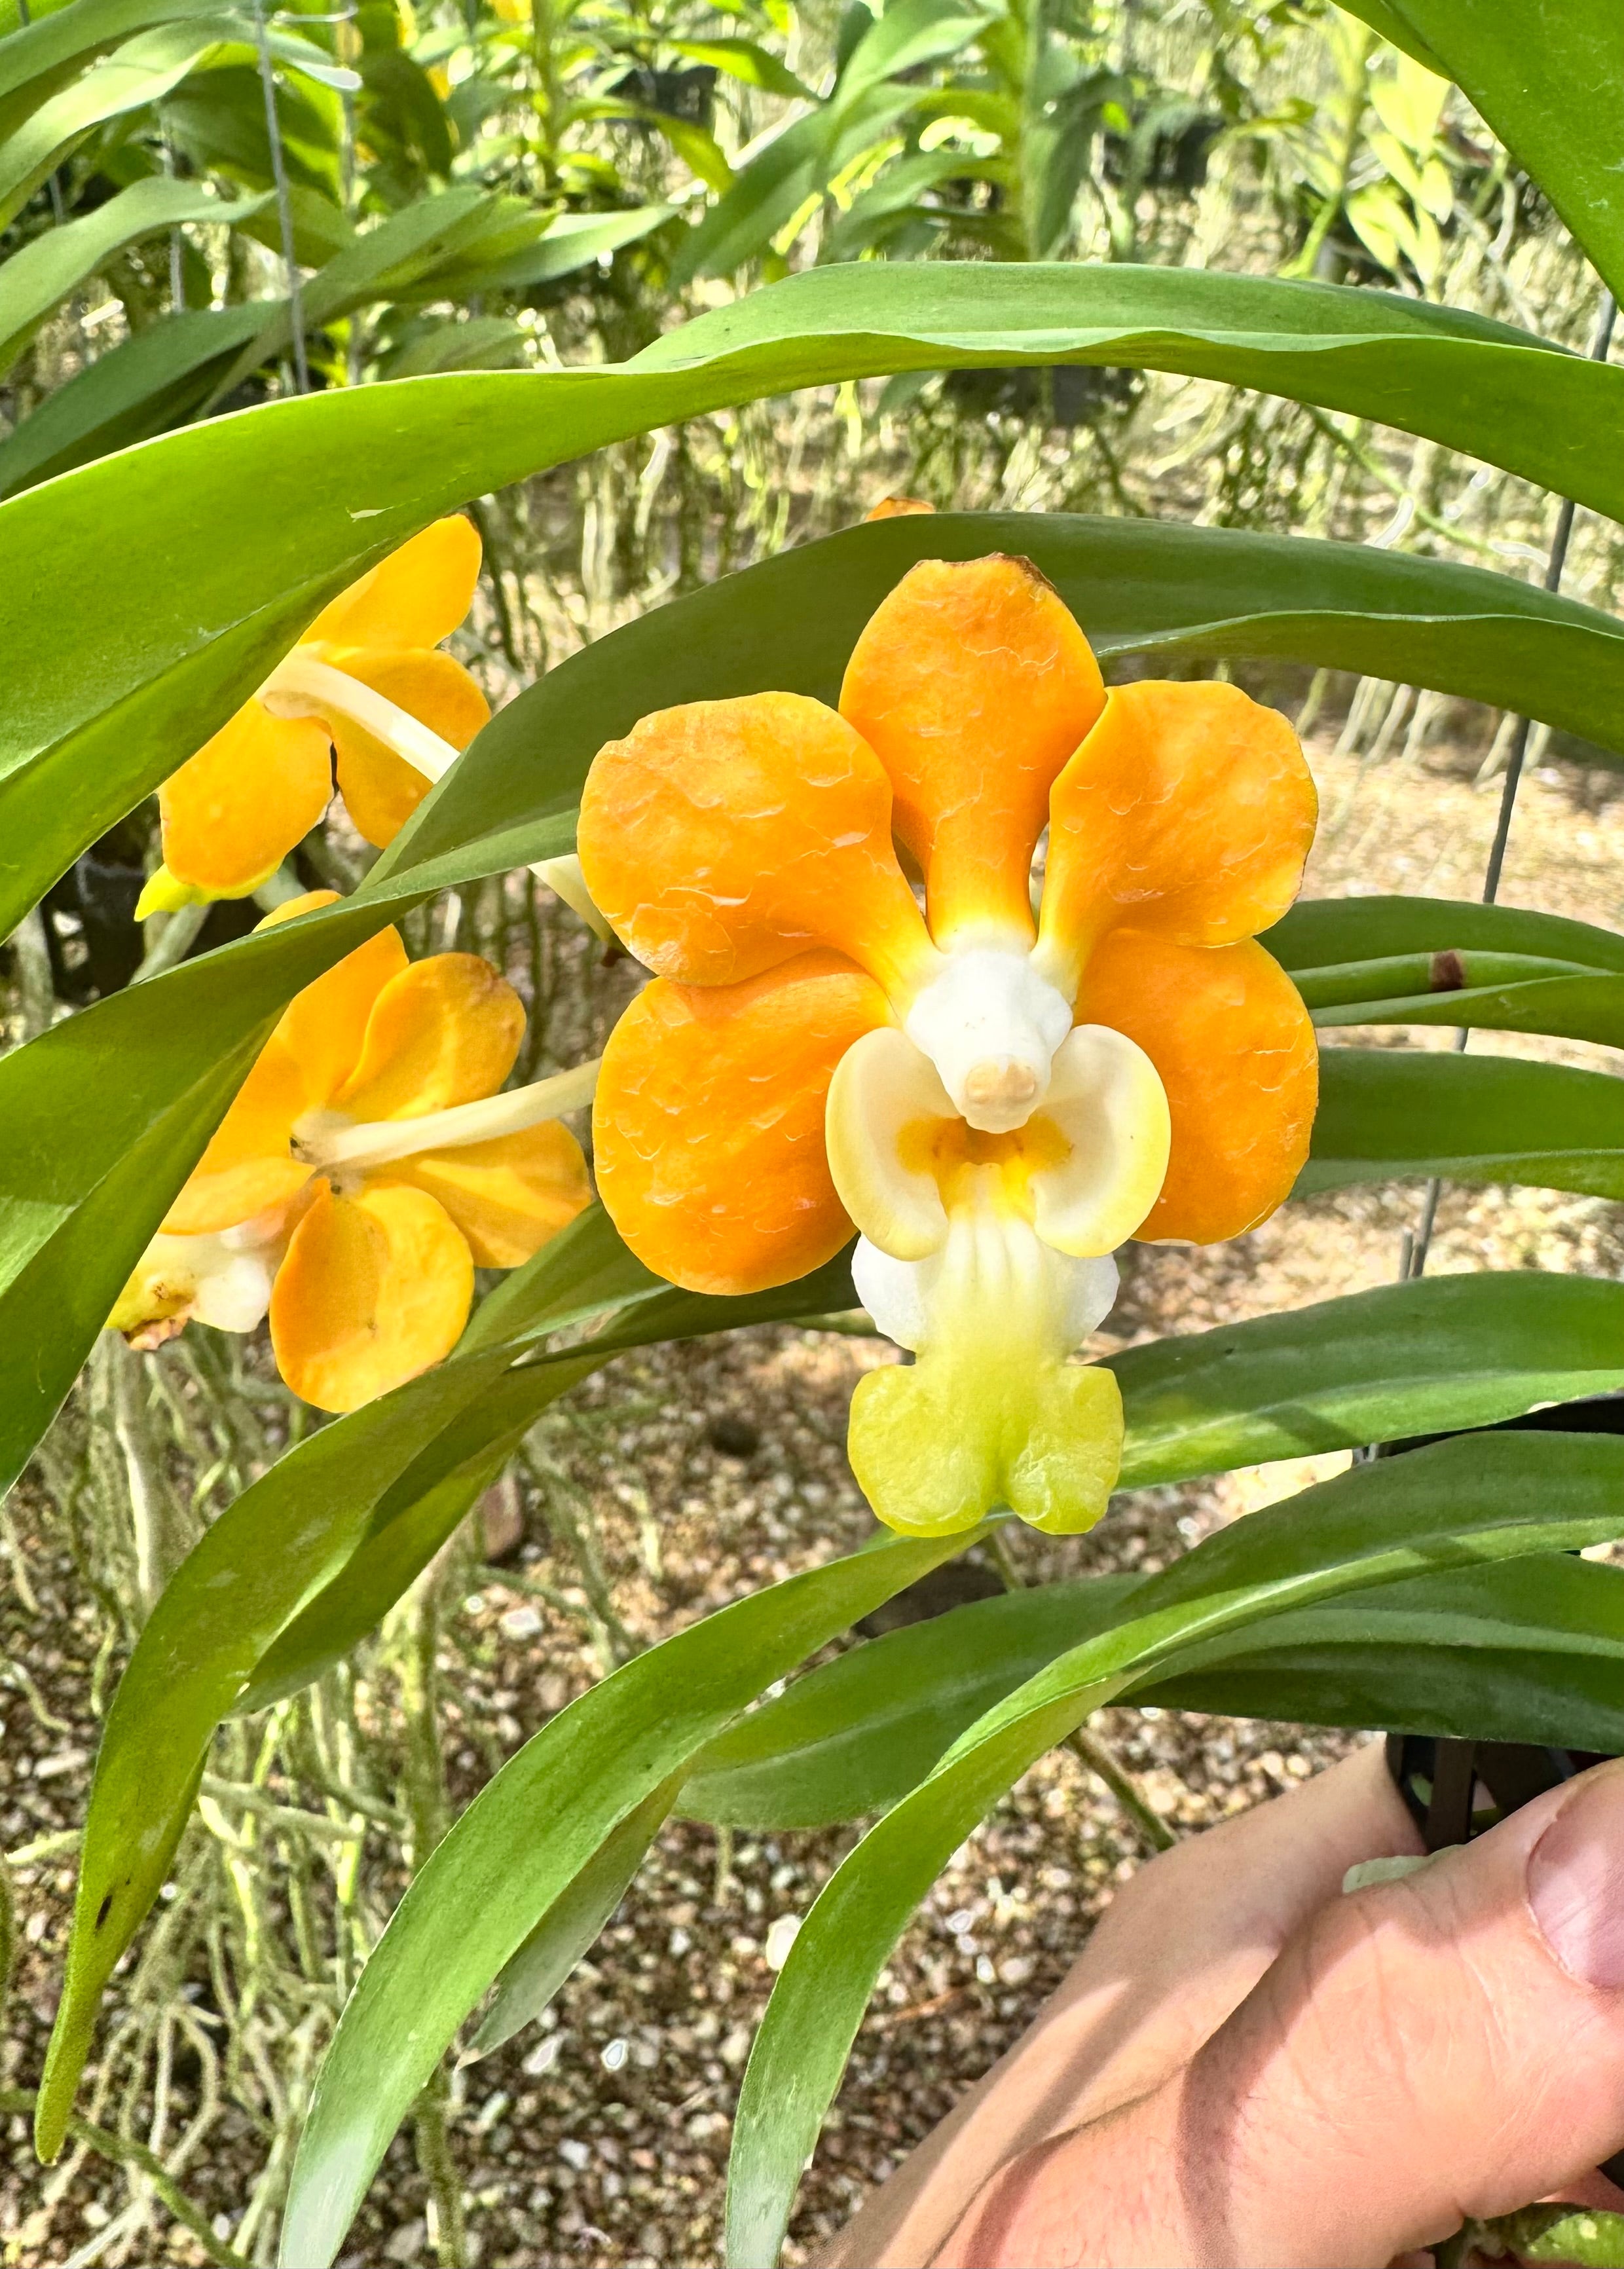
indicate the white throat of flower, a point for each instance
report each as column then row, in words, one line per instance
column 993, row 1156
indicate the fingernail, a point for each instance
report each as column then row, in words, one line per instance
column 1576, row 1881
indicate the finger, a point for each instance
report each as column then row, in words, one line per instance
column 1180, row 1945
column 1445, row 2047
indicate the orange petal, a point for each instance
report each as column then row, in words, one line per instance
column 381, row 790
column 324, row 1027
column 898, row 507
column 374, row 1290
column 1189, row 810
column 444, row 1031
column 507, row 1196
column 415, row 597
column 235, row 810
column 724, row 837
column 248, row 1166
column 1227, row 1030
column 973, row 685
column 708, row 1126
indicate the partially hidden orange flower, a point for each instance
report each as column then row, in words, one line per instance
column 366, row 683
column 367, row 1166
column 995, row 1103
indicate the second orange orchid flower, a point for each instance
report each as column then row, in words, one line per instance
column 368, row 684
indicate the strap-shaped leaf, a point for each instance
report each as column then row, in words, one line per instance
column 1520, row 1651
column 1485, row 1497
column 1404, row 1359
column 488, row 1884
column 308, row 1559
column 1321, row 933
column 1570, row 1007
column 136, row 73
column 45, row 271
column 1390, row 1113
column 319, row 488
column 1548, row 77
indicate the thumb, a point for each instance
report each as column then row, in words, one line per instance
column 1449, row 2045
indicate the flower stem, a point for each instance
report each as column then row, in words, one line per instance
column 375, row 1142
column 301, row 685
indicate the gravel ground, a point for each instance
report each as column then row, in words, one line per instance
column 600, row 2136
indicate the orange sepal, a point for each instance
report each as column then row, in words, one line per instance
column 374, row 1290
column 973, row 685
column 508, row 1196
column 1226, row 1029
column 723, row 838
column 415, row 597
column 323, row 1027
column 381, row 790
column 248, row 1166
column 233, row 812
column 708, row 1126
column 1189, row 810
column 445, row 1031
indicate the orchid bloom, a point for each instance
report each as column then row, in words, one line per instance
column 995, row 1104
column 367, row 681
column 367, row 1166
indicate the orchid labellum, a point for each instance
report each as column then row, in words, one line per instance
column 367, row 684
column 367, row 1166
column 995, row 1103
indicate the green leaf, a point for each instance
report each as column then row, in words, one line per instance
column 747, row 62
column 1523, row 1651
column 1463, row 1502
column 799, row 164
column 144, row 385
column 857, row 1734
column 572, row 1923
column 48, row 269
column 1137, row 587
column 1318, row 932
column 1573, row 1008
column 1389, row 1113
column 1376, row 1367
column 477, row 343
column 115, row 1074
column 326, row 486
column 306, row 1560
column 486, row 1888
column 136, row 73
column 1527, row 1651
column 1546, row 76
column 46, row 53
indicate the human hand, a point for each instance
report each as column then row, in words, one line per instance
column 1247, row 2066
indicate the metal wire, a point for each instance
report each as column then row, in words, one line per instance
column 285, row 203
column 1413, row 1261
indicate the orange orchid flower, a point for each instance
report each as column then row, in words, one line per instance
column 367, row 1166
column 995, row 1104
column 366, row 682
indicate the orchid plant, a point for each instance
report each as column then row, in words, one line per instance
column 816, row 800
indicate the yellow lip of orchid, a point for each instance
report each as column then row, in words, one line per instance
column 369, row 1163
column 996, row 1104
column 366, row 683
